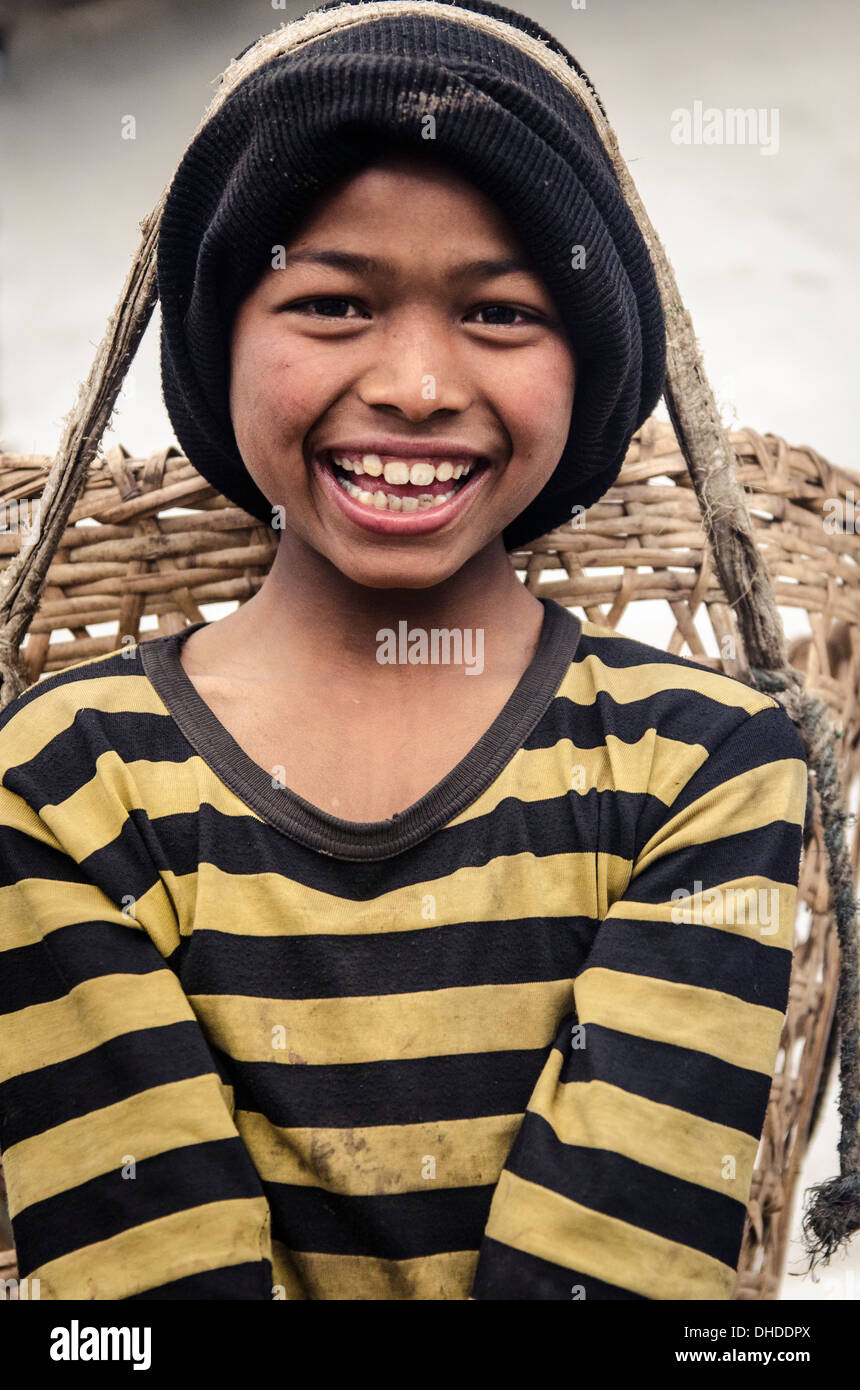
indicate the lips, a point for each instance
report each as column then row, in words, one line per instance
column 419, row 508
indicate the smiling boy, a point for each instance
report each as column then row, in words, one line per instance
column 355, row 344
column 334, row 978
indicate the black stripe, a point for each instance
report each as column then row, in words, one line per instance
column 694, row 954
column 219, row 1170
column 770, row 851
column 687, row 716
column 70, row 955
column 132, row 862
column 415, row 1091
column 762, row 738
column 426, row 1089
column 402, row 1226
column 24, row 856
column 627, row 1190
column 37, row 1101
column 145, row 847
column 505, row 1273
column 669, row 1074
column 349, row 965
column 247, row 846
column 621, row 653
column 68, row 761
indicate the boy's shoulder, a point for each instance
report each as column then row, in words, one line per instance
column 630, row 657
column 113, row 681
column 682, row 690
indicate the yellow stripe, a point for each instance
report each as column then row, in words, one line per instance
column 286, row 1284
column 76, row 665
column 95, row 814
column 34, row 725
column 705, row 1020
column 543, row 1223
column 750, row 907
column 749, row 801
column 370, row 1160
column 156, row 1121
column 361, row 1277
column 596, row 1115
column 90, row 1014
column 587, row 678
column 342, row 1030
column 653, row 763
column 18, row 814
column 216, row 1235
column 34, row 907
column 508, row 887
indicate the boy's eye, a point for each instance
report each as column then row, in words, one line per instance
column 505, row 309
column 331, row 307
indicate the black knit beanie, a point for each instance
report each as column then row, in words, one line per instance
column 305, row 119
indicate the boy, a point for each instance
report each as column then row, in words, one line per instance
column 331, row 973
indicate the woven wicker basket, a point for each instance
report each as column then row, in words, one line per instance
column 121, row 559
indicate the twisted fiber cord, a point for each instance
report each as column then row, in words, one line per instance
column 832, row 1214
column 701, row 435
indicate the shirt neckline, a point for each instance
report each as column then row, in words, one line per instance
column 359, row 840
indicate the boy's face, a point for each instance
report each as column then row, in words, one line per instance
column 423, row 357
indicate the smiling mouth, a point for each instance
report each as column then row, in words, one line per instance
column 399, row 485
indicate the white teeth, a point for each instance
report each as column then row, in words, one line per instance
column 396, row 472
column 400, row 471
column 384, row 501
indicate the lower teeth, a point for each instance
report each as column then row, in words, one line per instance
column 389, row 502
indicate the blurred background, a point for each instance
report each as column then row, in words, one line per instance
column 764, row 244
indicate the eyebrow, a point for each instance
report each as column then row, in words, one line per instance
column 352, row 261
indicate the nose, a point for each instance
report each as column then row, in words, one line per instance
column 417, row 370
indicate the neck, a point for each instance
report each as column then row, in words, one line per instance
column 309, row 621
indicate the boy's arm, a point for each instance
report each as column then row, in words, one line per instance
column 126, row 1175
column 630, row 1175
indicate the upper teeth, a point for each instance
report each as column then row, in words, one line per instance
column 400, row 471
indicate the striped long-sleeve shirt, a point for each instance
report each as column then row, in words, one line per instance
column 516, row 1042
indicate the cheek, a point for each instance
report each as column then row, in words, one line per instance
column 543, row 402
column 271, row 392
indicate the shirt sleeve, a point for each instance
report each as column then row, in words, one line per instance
column 630, row 1175
column 126, row 1175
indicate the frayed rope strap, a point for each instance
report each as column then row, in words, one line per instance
column 833, row 1214
column 700, row 433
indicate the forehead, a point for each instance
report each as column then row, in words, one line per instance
column 394, row 180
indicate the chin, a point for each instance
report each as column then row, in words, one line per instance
column 389, row 573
